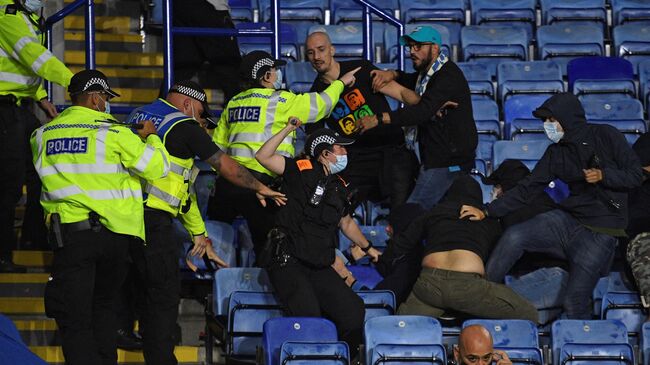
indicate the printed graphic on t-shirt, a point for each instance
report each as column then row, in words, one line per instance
column 351, row 107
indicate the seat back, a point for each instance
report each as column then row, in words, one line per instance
column 587, row 334
column 599, row 68
column 378, row 302
column 517, row 337
column 316, row 353
column 528, row 152
column 625, row 11
column 304, row 11
column 241, row 10
column 563, row 42
column 625, row 307
column 486, row 116
column 644, row 81
column 300, row 76
column 288, row 40
column 632, row 42
column 447, row 12
column 577, row 11
column 645, row 343
column 347, row 11
column 518, row 115
column 247, row 312
column 277, row 331
column 533, row 77
column 404, row 334
column 626, row 115
column 520, row 13
column 491, row 44
column 232, row 279
column 479, row 79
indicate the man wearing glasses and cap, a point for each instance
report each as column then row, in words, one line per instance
column 178, row 120
column 90, row 166
column 250, row 119
column 445, row 131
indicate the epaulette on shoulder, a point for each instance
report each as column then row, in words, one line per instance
column 11, row 9
column 304, row 165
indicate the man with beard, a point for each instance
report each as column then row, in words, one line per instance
column 446, row 141
column 475, row 347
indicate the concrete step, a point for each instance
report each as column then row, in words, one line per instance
column 22, row 285
column 120, row 77
column 22, row 305
column 115, row 59
column 108, row 42
column 114, row 8
column 32, row 258
column 186, row 355
column 112, row 24
column 38, row 331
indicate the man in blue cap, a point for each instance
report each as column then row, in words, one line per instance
column 442, row 122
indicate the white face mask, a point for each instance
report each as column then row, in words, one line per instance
column 33, row 5
column 552, row 130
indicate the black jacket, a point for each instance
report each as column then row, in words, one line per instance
column 583, row 146
column 452, row 139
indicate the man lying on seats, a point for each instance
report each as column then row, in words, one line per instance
column 452, row 276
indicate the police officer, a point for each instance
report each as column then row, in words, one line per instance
column 301, row 247
column 176, row 121
column 24, row 62
column 88, row 162
column 251, row 118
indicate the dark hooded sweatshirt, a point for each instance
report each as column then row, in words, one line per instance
column 583, row 146
column 444, row 231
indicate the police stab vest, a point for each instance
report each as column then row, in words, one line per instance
column 171, row 193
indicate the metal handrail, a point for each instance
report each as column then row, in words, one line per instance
column 369, row 8
column 89, row 15
column 169, row 31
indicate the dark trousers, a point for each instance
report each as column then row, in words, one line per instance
column 230, row 201
column 310, row 292
column 16, row 126
column 158, row 273
column 86, row 275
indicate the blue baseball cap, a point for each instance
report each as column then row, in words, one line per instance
column 424, row 34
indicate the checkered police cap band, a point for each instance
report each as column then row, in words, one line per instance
column 259, row 64
column 321, row 139
column 188, row 91
column 95, row 81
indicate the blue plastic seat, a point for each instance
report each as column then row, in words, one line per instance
column 378, row 302
column 233, row 279
column 491, row 44
column 563, row 42
column 297, row 11
column 519, row 122
column 598, row 77
column 242, row 10
column 277, row 331
column 595, row 342
column 533, row 77
column 624, row 115
column 518, row 13
column 625, row 11
column 583, row 11
column 486, row 117
column 288, row 40
column 307, row 353
column 366, row 276
column 625, row 307
column 645, row 343
column 450, row 13
column 632, row 42
column 518, row 338
column 347, row 38
column 344, row 11
column 528, row 152
column 299, row 76
column 484, row 153
column 390, row 40
column 598, row 293
column 403, row 340
column 376, row 234
column 644, row 81
column 247, row 312
column 479, row 79
column 222, row 236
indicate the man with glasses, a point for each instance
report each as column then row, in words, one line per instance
column 447, row 139
column 475, row 347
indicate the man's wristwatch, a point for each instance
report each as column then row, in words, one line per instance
column 367, row 248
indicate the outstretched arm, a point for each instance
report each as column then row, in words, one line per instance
column 266, row 155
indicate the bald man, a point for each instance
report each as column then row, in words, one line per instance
column 475, row 347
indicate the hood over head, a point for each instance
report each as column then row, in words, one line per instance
column 464, row 190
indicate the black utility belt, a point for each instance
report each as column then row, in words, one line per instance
column 8, row 100
column 58, row 231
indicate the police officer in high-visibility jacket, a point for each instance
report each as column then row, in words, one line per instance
column 177, row 123
column 24, row 62
column 90, row 166
column 250, row 119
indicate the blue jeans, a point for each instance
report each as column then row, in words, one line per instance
column 431, row 185
column 544, row 288
column 559, row 234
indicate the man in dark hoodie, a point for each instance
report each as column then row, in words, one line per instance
column 456, row 245
column 598, row 167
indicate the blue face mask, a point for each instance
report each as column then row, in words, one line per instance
column 339, row 165
column 33, row 5
column 277, row 84
column 552, row 132
column 107, row 106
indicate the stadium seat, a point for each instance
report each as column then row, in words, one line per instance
column 627, row 308
column 450, row 13
column 632, row 42
column 12, row 348
column 366, row 276
column 288, row 40
column 594, row 342
column 598, row 293
column 376, row 234
column 533, row 77
column 518, row 338
column 645, row 343
column 582, row 11
column 233, row 279
column 390, row 40
column 617, row 281
column 302, row 14
column 563, row 42
column 345, row 11
column 222, row 236
column 299, row 76
column 644, row 82
column 484, row 153
column 347, row 38
column 486, row 116
column 479, row 79
column 306, row 353
column 519, row 122
column 625, row 115
column 378, row 302
column 493, row 44
column 518, row 13
column 247, row 312
column 625, row 11
column 528, row 152
column 276, row 331
column 598, row 77
column 403, row 340
column 242, row 11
